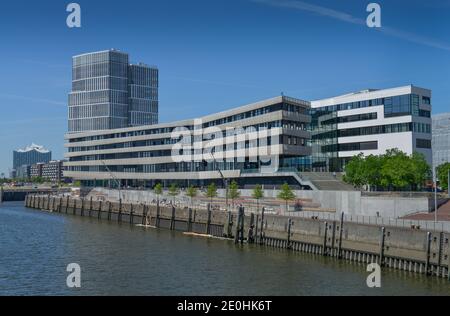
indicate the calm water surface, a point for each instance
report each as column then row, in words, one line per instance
column 36, row 247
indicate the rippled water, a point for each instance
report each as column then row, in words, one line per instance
column 36, row 248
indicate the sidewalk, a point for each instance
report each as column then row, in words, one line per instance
column 443, row 214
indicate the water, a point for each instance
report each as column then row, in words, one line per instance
column 36, row 248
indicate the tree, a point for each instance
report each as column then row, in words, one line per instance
column 158, row 189
column 442, row 174
column 211, row 191
column 420, row 170
column 354, row 171
column 192, row 193
column 233, row 192
column 372, row 171
column 286, row 194
column 395, row 170
column 258, row 194
column 174, row 191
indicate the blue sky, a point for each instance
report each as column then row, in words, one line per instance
column 215, row 54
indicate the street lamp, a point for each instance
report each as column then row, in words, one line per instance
column 119, row 185
column 435, row 195
column 225, row 180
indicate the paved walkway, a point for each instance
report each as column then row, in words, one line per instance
column 443, row 214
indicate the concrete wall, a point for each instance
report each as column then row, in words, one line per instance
column 348, row 202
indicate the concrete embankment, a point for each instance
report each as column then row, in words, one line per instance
column 408, row 249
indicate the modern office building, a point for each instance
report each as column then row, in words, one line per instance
column 53, row 171
column 260, row 143
column 370, row 122
column 441, row 139
column 30, row 155
column 298, row 137
column 109, row 93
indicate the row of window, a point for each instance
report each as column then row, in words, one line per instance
column 93, row 97
column 401, row 105
column 98, row 110
column 291, row 108
column 100, row 83
column 94, row 124
column 143, row 92
column 113, row 69
column 396, row 100
column 351, row 118
column 142, row 118
column 141, row 105
column 385, row 129
column 359, row 146
column 166, row 141
column 143, row 76
column 100, row 57
column 237, row 164
column 168, row 130
column 423, row 143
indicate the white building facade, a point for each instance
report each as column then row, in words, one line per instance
column 370, row 122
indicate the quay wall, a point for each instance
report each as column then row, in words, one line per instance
column 410, row 249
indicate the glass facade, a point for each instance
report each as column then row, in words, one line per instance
column 30, row 156
column 441, row 139
column 108, row 93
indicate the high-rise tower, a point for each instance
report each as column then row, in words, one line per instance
column 108, row 92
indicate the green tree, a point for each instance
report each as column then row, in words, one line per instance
column 158, row 189
column 420, row 171
column 174, row 191
column 354, row 171
column 77, row 184
column 258, row 194
column 395, row 171
column 371, row 171
column 286, row 194
column 211, row 191
column 233, row 192
column 192, row 193
column 442, row 174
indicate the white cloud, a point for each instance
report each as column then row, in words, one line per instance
column 31, row 99
column 348, row 18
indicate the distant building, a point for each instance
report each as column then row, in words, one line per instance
column 23, row 172
column 36, row 170
column 52, row 170
column 109, row 93
column 31, row 155
column 12, row 173
column 441, row 139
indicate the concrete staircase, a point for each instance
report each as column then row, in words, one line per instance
column 325, row 181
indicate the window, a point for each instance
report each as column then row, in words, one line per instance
column 423, row 143
column 358, row 146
